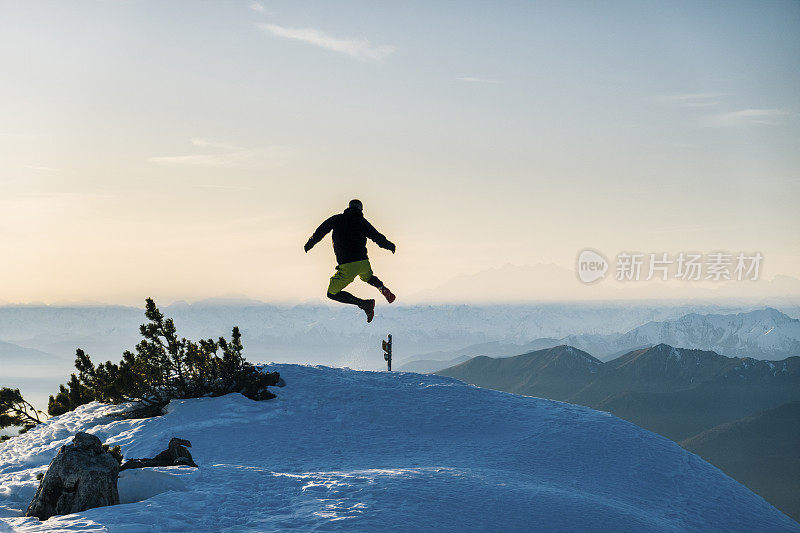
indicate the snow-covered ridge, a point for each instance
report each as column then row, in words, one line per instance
column 762, row 334
column 368, row 451
column 766, row 333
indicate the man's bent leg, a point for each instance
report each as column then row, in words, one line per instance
column 366, row 275
column 345, row 273
column 375, row 282
column 346, row 298
column 368, row 306
column 378, row 284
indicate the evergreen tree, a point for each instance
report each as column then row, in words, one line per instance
column 69, row 397
column 165, row 367
column 16, row 411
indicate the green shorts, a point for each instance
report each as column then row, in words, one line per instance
column 347, row 272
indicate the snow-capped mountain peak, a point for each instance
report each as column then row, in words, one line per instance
column 766, row 333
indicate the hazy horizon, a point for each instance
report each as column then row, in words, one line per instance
column 544, row 284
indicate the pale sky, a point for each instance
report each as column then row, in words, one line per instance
column 185, row 150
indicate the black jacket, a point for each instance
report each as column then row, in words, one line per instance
column 350, row 232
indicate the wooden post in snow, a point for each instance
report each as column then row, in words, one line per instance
column 387, row 349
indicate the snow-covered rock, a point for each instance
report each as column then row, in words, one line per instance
column 340, row 449
column 81, row 476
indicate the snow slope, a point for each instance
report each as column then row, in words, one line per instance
column 372, row 451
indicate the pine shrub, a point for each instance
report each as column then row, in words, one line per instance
column 162, row 368
column 15, row 411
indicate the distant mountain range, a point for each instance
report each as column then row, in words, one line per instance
column 761, row 452
column 320, row 334
column 333, row 335
column 13, row 354
column 429, row 366
column 432, row 361
column 35, row 372
column 761, row 334
column 677, row 392
column 658, row 388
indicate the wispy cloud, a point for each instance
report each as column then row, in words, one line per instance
column 193, row 160
column 205, row 143
column 220, row 154
column 475, row 79
column 742, row 117
column 256, row 6
column 361, row 49
column 690, row 99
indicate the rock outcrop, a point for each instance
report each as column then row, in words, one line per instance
column 175, row 454
column 81, row 476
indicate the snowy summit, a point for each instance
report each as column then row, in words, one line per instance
column 374, row 451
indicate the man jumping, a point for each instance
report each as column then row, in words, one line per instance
column 350, row 232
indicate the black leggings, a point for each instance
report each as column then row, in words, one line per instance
column 375, row 282
column 347, row 298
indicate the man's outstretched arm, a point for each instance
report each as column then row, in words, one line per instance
column 378, row 237
column 322, row 230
